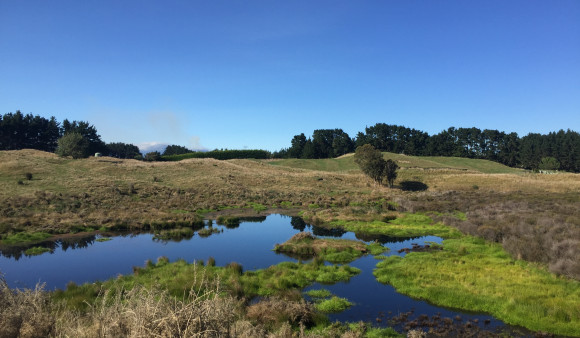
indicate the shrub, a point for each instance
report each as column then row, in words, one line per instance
column 28, row 176
column 25, row 313
column 73, row 145
column 153, row 156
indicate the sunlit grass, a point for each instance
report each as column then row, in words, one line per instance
column 333, row 250
column 37, row 250
column 409, row 225
column 24, row 237
column 474, row 275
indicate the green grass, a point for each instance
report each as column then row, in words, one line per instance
column 329, row 249
column 319, row 293
column 179, row 277
column 333, row 305
column 346, row 163
column 25, row 237
column 289, row 275
column 257, row 207
column 409, row 225
column 474, row 275
column 37, row 250
column 328, row 164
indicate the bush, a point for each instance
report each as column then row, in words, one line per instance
column 73, row 145
column 153, row 156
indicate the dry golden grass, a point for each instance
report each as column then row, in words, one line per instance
column 96, row 192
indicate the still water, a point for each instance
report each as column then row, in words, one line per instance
column 84, row 259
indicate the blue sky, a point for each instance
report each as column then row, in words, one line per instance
column 252, row 74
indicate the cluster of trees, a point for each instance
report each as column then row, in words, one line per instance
column 223, row 154
column 372, row 164
column 509, row 149
column 556, row 150
column 76, row 138
column 325, row 143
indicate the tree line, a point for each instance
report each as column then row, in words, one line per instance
column 561, row 148
column 555, row 150
column 20, row 131
column 80, row 139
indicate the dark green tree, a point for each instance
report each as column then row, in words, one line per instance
column 297, row 146
column 122, row 150
column 176, row 150
column 371, row 162
column 74, row 145
column 390, row 172
column 549, row 163
column 153, row 156
column 88, row 131
column 309, row 151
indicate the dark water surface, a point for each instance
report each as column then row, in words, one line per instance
column 84, row 259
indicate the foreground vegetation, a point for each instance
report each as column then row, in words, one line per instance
column 523, row 217
column 305, row 245
column 472, row 274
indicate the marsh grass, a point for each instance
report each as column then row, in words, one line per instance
column 179, row 277
column 408, row 225
column 24, row 237
column 472, row 274
column 319, row 293
column 305, row 245
column 333, row 305
column 26, row 312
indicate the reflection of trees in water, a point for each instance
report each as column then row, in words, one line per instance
column 17, row 251
column 76, row 243
column 383, row 239
column 298, row 223
column 336, row 232
column 253, row 219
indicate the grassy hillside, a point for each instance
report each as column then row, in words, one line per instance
column 346, row 163
column 533, row 217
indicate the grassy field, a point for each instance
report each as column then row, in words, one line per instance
column 346, row 163
column 533, row 217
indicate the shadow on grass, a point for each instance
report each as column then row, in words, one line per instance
column 413, row 186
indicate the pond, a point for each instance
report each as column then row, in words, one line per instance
column 85, row 259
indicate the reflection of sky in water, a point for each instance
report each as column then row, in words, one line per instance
column 250, row 244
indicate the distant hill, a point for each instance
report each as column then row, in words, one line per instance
column 346, row 163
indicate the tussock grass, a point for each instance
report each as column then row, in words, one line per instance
column 319, row 293
column 408, row 225
column 333, row 305
column 475, row 275
column 305, row 245
column 24, row 237
column 25, row 313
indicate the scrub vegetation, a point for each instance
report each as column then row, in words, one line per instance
column 512, row 243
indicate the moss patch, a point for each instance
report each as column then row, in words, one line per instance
column 475, row 275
